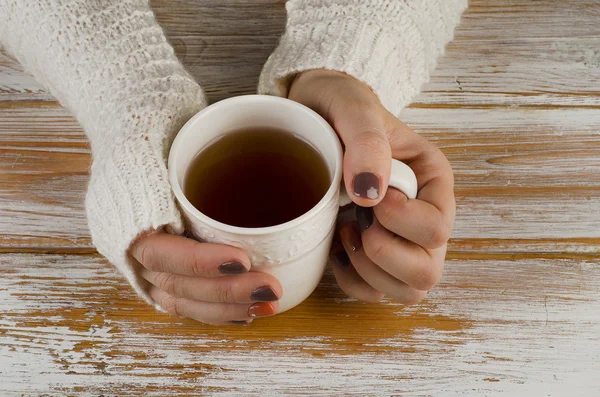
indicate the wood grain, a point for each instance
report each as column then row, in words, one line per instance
column 511, row 326
column 505, row 54
column 520, row 174
column 515, row 106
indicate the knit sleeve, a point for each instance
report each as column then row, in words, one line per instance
column 109, row 62
column 391, row 45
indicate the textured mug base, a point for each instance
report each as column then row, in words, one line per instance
column 301, row 277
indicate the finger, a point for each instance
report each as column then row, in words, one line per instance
column 433, row 171
column 359, row 119
column 439, row 192
column 167, row 253
column 212, row 313
column 373, row 274
column 349, row 280
column 368, row 156
column 415, row 220
column 251, row 287
column 420, row 268
column 406, row 144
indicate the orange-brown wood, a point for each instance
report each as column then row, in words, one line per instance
column 514, row 105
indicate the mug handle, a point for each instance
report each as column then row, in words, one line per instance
column 402, row 178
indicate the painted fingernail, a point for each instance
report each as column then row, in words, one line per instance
column 366, row 185
column 351, row 237
column 243, row 322
column 340, row 257
column 264, row 294
column 364, row 216
column 232, row 268
column 263, row 309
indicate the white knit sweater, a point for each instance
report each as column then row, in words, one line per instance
column 109, row 62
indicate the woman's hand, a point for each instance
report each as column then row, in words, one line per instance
column 209, row 283
column 397, row 247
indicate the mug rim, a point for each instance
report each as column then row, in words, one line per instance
column 187, row 129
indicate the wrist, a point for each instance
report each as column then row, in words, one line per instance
column 323, row 75
column 323, row 83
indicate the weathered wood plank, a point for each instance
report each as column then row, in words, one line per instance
column 44, row 163
column 487, row 19
column 78, row 327
column 514, row 53
column 519, row 175
column 229, row 18
column 514, row 105
column 517, row 72
column 16, row 84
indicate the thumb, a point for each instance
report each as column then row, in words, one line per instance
column 360, row 121
column 368, row 156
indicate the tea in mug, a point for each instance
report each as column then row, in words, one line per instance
column 257, row 177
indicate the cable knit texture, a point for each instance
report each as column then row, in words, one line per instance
column 392, row 45
column 109, row 62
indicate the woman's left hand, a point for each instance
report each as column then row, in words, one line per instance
column 397, row 247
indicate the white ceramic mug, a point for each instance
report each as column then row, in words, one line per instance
column 295, row 252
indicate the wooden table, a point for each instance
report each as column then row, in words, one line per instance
column 515, row 105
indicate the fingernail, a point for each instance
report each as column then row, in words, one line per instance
column 351, row 237
column 262, row 309
column 366, row 185
column 364, row 216
column 264, row 294
column 232, row 268
column 340, row 257
column 243, row 322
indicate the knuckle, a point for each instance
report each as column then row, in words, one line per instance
column 223, row 292
column 370, row 111
column 193, row 265
column 144, row 253
column 439, row 161
column 448, row 171
column 395, row 137
column 358, row 101
column 376, row 249
column 439, row 234
column 386, row 214
column 373, row 142
column 387, row 211
column 171, row 305
column 167, row 283
column 198, row 266
column 413, row 297
column 425, row 280
column 426, row 277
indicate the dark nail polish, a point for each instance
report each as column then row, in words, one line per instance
column 364, row 216
column 350, row 234
column 366, row 185
column 264, row 294
column 232, row 268
column 263, row 309
column 239, row 322
column 340, row 257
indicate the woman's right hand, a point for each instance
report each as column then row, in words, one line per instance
column 209, row 283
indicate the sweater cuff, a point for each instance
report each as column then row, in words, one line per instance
column 129, row 194
column 391, row 47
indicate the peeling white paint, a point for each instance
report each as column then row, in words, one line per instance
column 514, row 105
